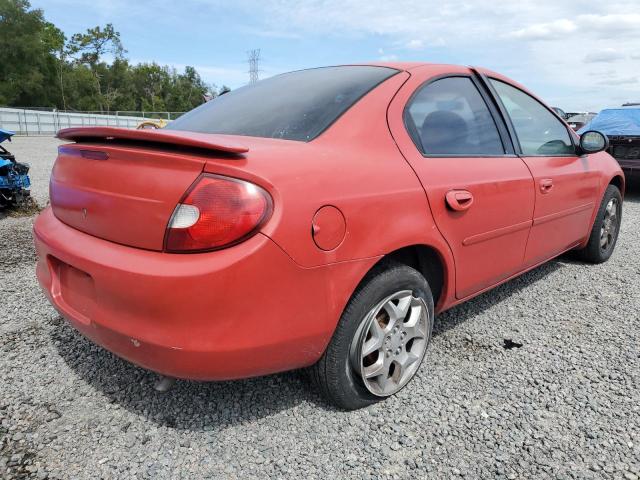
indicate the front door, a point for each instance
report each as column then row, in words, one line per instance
column 566, row 184
column 480, row 193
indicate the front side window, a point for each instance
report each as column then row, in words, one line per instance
column 450, row 117
column 292, row 106
column 539, row 131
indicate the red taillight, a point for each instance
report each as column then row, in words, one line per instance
column 217, row 212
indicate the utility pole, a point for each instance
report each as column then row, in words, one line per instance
column 253, row 57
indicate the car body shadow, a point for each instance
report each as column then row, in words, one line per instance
column 632, row 193
column 461, row 313
column 188, row 405
column 204, row 406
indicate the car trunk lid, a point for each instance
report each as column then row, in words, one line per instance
column 123, row 185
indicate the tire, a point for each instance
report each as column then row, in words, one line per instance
column 596, row 251
column 338, row 373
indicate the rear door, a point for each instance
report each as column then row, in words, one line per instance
column 566, row 185
column 480, row 193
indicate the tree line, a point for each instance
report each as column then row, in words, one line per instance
column 41, row 67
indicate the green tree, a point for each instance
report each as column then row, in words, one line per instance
column 40, row 67
column 27, row 43
column 90, row 47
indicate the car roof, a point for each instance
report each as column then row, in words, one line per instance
column 408, row 66
column 403, row 65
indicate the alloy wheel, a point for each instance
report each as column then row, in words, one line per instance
column 609, row 228
column 391, row 342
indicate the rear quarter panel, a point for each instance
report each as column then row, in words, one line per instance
column 355, row 166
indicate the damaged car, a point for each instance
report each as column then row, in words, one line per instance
column 622, row 126
column 14, row 176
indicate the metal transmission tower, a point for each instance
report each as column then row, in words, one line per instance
column 254, row 63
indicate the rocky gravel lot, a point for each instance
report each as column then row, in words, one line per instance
column 566, row 404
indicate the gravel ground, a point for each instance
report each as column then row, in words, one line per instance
column 564, row 405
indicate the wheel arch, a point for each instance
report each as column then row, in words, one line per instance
column 619, row 182
column 427, row 260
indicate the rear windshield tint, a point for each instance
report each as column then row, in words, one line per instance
column 292, row 106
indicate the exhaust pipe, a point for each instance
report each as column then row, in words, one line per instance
column 164, row 384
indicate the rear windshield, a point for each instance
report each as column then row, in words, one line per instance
column 292, row 106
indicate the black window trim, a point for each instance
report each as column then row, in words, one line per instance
column 503, row 132
column 486, row 80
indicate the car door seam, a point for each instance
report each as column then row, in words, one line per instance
column 562, row 213
column 498, row 232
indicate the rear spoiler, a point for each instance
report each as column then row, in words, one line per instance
column 220, row 143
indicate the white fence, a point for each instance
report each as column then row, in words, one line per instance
column 35, row 122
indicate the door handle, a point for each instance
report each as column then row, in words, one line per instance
column 546, row 184
column 459, row 200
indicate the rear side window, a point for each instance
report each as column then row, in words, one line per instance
column 539, row 131
column 292, row 106
column 450, row 117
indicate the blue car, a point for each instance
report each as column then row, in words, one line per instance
column 14, row 176
column 622, row 126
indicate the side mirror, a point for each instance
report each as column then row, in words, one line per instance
column 592, row 141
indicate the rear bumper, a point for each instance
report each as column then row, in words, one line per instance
column 245, row 311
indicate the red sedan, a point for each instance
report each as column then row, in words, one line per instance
column 319, row 218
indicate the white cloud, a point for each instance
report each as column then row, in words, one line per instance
column 545, row 31
column 603, row 73
column 611, row 24
column 619, row 81
column 417, row 44
column 606, row 25
column 270, row 33
column 414, row 44
column 388, row 58
column 605, row 55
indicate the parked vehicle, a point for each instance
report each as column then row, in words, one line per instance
column 320, row 219
column 622, row 126
column 561, row 113
column 157, row 123
column 579, row 120
column 14, row 176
